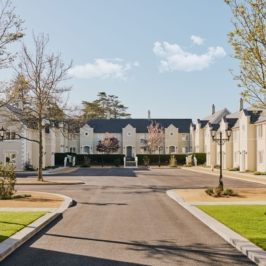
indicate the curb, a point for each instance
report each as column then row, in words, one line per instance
column 252, row 251
column 227, row 176
column 51, row 183
column 12, row 243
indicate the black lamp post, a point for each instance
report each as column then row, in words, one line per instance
column 2, row 132
column 221, row 142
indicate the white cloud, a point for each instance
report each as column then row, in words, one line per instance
column 175, row 58
column 197, row 40
column 103, row 68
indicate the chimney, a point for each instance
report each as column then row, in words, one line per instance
column 240, row 104
column 149, row 114
column 108, row 115
column 213, row 109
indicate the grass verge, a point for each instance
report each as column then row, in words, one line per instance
column 247, row 220
column 12, row 222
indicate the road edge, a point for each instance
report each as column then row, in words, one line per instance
column 11, row 244
column 253, row 252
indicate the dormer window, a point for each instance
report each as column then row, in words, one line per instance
column 129, row 134
column 171, row 134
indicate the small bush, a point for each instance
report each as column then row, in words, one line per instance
column 20, row 196
column 209, row 191
column 233, row 169
column 146, row 161
column 217, row 166
column 187, row 165
column 27, row 166
column 229, row 192
column 248, row 171
column 259, row 173
column 7, row 180
column 172, row 161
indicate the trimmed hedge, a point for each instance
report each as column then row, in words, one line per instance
column 112, row 159
column 96, row 159
column 164, row 158
column 201, row 157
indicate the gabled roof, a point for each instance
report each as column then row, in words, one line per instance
column 116, row 125
column 215, row 118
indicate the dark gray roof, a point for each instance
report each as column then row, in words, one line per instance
column 232, row 122
column 116, row 125
column 203, row 123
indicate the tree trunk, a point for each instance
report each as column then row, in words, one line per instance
column 40, row 178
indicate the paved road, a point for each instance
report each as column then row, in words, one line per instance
column 124, row 217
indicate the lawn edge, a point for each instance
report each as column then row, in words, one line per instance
column 12, row 243
column 253, row 252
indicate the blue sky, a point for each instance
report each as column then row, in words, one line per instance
column 170, row 57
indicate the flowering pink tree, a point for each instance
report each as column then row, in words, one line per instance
column 155, row 138
column 108, row 145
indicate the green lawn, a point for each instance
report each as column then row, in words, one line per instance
column 247, row 220
column 11, row 222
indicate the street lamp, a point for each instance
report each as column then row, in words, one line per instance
column 2, row 132
column 221, row 142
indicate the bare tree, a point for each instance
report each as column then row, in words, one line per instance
column 41, row 88
column 10, row 31
column 155, row 138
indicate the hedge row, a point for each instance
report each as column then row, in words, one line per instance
column 201, row 157
column 109, row 159
column 96, row 159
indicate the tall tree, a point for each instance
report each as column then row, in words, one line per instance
column 10, row 31
column 104, row 105
column 43, row 79
column 249, row 43
column 155, row 138
column 108, row 145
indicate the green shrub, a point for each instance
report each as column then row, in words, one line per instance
column 7, row 180
column 259, row 173
column 229, row 192
column 172, row 161
column 209, row 191
column 187, row 165
column 233, row 169
column 217, row 166
column 201, row 157
column 164, row 159
column 146, row 161
column 20, row 196
column 27, row 166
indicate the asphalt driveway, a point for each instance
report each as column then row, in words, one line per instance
column 124, row 217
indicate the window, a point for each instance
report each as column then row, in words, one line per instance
column 187, row 149
column 259, row 131
column 13, row 135
column 86, row 134
column 171, row 134
column 10, row 158
column 260, row 157
column 142, row 136
column 129, row 134
column 7, row 135
column 114, row 135
column 184, row 136
column 183, row 149
column 74, row 149
column 100, row 136
column 47, row 130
